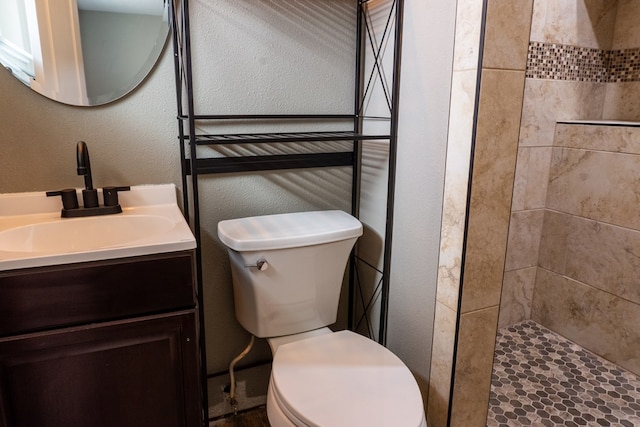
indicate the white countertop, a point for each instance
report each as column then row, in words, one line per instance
column 33, row 234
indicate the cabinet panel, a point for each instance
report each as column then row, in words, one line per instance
column 48, row 297
column 141, row 372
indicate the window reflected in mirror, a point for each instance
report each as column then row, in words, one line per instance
column 82, row 52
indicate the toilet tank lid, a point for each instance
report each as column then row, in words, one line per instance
column 288, row 230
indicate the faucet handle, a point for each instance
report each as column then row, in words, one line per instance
column 110, row 195
column 90, row 198
column 69, row 197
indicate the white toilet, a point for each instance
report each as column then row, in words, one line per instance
column 287, row 273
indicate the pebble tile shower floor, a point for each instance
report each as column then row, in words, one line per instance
column 542, row 379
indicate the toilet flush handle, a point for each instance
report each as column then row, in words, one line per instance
column 262, row 264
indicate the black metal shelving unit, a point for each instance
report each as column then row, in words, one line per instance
column 194, row 166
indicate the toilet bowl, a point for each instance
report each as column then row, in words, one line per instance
column 341, row 379
column 287, row 273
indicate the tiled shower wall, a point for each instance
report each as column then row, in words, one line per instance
column 546, row 101
column 586, row 284
column 494, row 153
column 569, row 266
column 493, row 210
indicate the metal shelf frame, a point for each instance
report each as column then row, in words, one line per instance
column 194, row 166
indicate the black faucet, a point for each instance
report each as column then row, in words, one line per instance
column 89, row 194
column 91, row 207
column 84, row 165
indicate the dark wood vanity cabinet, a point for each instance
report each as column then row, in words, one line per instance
column 110, row 343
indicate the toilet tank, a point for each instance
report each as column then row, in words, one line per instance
column 288, row 269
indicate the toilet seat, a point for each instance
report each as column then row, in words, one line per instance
column 344, row 379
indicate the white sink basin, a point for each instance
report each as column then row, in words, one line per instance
column 33, row 234
column 82, row 234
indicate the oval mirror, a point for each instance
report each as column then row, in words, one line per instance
column 82, row 52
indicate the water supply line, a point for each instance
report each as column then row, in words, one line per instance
column 232, row 379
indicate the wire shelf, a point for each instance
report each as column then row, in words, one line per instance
column 257, row 138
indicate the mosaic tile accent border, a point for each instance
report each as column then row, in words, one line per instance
column 542, row 379
column 563, row 62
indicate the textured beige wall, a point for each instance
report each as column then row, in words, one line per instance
column 422, row 137
column 134, row 140
column 131, row 141
column 265, row 57
column 284, row 56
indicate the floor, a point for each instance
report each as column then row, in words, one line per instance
column 252, row 418
column 542, row 379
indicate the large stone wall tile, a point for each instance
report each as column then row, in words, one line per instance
column 517, row 296
column 520, row 179
column 622, row 101
column 596, row 185
column 598, row 321
column 493, row 173
column 507, row 34
column 474, row 361
column 556, row 229
column 497, row 132
column 537, row 177
column 444, row 334
column 532, row 178
column 626, row 33
column 467, row 37
column 606, row 257
column 484, row 262
column 587, row 23
column 549, row 101
column 576, row 311
column 629, row 337
column 621, row 139
column 525, row 231
column 463, row 87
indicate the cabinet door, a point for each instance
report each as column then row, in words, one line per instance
column 139, row 372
